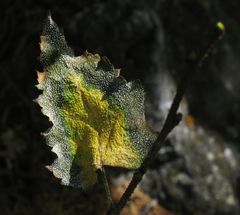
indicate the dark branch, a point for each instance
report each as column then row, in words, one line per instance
column 172, row 120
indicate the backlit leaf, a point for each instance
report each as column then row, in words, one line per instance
column 98, row 118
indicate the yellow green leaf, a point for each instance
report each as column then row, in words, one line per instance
column 98, row 118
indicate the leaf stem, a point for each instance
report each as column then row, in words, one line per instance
column 104, row 181
column 172, row 120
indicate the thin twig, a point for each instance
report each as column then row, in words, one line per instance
column 172, row 120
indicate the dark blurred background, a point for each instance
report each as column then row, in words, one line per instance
column 197, row 172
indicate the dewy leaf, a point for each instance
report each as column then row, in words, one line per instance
column 98, row 118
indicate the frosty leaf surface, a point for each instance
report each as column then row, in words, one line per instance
column 98, row 118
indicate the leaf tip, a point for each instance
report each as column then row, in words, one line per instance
column 36, row 100
column 41, row 77
column 49, row 167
